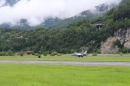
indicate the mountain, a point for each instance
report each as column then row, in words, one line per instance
column 113, row 35
column 99, row 11
column 53, row 23
column 63, row 23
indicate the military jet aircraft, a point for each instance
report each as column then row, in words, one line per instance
column 79, row 54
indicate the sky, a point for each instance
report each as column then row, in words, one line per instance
column 36, row 11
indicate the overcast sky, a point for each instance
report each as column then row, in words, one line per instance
column 36, row 11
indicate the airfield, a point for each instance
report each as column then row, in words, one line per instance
column 67, row 59
column 65, row 70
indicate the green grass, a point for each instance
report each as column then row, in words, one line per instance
column 50, row 75
column 89, row 58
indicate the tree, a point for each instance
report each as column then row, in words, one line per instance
column 21, row 53
column 9, row 53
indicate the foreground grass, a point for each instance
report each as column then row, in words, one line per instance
column 50, row 75
column 89, row 58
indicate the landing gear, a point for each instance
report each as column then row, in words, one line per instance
column 80, row 56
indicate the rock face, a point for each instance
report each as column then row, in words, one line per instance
column 123, row 35
column 108, row 47
column 127, row 44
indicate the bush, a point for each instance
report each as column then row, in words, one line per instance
column 118, row 44
column 21, row 53
column 54, row 53
column 124, row 50
column 45, row 53
column 10, row 53
column 2, row 53
column 94, row 54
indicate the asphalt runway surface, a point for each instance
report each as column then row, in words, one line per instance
column 66, row 63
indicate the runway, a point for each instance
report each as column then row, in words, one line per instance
column 66, row 63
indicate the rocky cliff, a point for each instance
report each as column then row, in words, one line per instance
column 123, row 35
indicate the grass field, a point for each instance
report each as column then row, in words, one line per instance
column 89, row 58
column 50, row 75
column 53, row 75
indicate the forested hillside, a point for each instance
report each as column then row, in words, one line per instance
column 84, row 33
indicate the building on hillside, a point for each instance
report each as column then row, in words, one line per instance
column 99, row 25
column 29, row 53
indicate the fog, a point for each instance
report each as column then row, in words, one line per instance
column 36, row 11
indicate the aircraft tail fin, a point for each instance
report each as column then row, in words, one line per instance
column 85, row 52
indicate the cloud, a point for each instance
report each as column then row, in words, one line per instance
column 2, row 2
column 36, row 11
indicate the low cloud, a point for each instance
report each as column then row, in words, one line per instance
column 36, row 11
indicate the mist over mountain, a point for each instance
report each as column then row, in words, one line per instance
column 98, row 11
column 27, row 14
